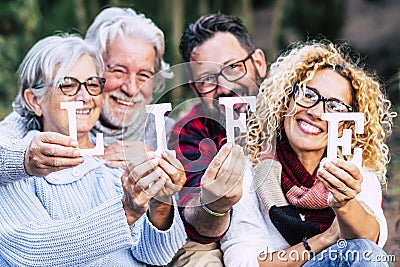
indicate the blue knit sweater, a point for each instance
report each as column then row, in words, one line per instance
column 75, row 217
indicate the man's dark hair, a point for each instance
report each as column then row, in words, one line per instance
column 206, row 27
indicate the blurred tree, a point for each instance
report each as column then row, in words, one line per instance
column 23, row 22
column 18, row 29
column 276, row 26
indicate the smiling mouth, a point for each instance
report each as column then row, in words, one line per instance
column 308, row 128
column 124, row 102
column 83, row 111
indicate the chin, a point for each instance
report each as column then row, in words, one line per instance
column 84, row 130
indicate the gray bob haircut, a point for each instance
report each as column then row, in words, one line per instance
column 46, row 63
column 116, row 21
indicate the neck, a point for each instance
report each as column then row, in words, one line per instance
column 310, row 160
column 105, row 123
column 84, row 141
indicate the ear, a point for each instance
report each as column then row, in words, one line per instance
column 260, row 63
column 32, row 101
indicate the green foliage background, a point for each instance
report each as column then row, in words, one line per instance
column 273, row 24
column 23, row 22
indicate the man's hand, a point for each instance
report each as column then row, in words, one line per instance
column 221, row 184
column 49, row 152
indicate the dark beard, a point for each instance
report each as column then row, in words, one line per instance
column 215, row 113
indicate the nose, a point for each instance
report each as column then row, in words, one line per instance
column 224, row 87
column 83, row 94
column 129, row 86
column 317, row 110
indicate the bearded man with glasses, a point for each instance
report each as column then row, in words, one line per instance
column 222, row 62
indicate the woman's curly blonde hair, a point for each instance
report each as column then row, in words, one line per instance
column 299, row 64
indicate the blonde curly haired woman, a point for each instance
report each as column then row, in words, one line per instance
column 297, row 210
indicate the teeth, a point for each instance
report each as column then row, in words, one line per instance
column 82, row 111
column 309, row 128
column 126, row 103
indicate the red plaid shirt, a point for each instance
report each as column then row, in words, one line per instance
column 196, row 138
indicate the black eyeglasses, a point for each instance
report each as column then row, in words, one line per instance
column 231, row 73
column 307, row 97
column 70, row 86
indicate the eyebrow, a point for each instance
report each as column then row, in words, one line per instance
column 330, row 98
column 206, row 73
column 125, row 67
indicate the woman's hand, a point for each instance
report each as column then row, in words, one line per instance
column 343, row 180
column 172, row 170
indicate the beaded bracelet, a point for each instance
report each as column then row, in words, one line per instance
column 308, row 248
column 214, row 213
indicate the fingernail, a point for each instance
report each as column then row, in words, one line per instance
column 239, row 148
column 158, row 171
column 74, row 143
column 76, row 152
column 158, row 154
column 229, row 145
column 154, row 161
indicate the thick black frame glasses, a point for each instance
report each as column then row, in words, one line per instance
column 308, row 97
column 209, row 83
column 70, row 86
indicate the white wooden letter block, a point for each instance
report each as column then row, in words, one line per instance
column 71, row 108
column 159, row 110
column 240, row 123
column 333, row 120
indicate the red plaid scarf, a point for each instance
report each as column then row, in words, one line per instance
column 302, row 189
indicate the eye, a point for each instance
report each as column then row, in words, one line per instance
column 207, row 79
column 238, row 66
column 68, row 83
column 309, row 94
column 144, row 76
column 93, row 84
column 118, row 70
column 336, row 106
column 234, row 69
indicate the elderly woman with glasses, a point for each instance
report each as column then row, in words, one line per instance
column 300, row 208
column 81, row 215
